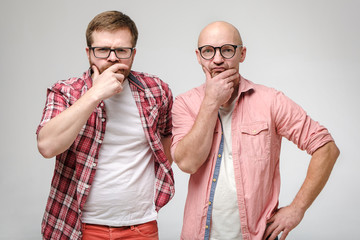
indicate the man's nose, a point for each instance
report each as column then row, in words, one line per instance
column 218, row 58
column 112, row 57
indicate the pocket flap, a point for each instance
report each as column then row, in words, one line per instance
column 254, row 128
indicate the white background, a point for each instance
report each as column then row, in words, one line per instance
column 307, row 49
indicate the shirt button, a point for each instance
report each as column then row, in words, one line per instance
column 209, row 203
column 103, row 119
column 206, row 226
column 214, row 179
column 219, row 155
column 87, row 186
column 94, row 164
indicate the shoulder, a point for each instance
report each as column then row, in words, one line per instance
column 264, row 98
column 260, row 94
column 254, row 88
column 189, row 102
column 78, row 84
column 150, row 80
column 194, row 94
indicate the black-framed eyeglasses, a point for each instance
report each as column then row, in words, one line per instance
column 227, row 51
column 104, row 52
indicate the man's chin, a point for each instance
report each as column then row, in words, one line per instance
column 214, row 74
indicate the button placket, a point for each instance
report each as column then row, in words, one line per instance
column 213, row 186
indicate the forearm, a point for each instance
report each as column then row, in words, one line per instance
column 287, row 218
column 166, row 142
column 320, row 167
column 59, row 133
column 192, row 151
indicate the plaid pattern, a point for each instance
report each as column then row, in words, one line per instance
column 74, row 169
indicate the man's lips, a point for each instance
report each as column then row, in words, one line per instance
column 218, row 69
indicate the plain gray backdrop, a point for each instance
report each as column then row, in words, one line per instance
column 307, row 49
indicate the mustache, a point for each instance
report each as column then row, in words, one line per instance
column 121, row 71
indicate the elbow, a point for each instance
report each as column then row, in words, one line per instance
column 330, row 151
column 335, row 151
column 186, row 168
column 45, row 150
column 186, row 161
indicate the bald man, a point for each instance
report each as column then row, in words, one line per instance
column 227, row 135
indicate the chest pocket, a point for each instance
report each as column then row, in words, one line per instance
column 254, row 141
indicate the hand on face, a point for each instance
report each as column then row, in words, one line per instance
column 109, row 82
column 220, row 85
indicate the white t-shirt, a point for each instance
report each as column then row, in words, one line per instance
column 225, row 219
column 122, row 193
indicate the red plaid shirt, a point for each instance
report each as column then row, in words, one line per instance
column 75, row 168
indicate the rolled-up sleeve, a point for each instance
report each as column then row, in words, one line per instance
column 184, row 114
column 56, row 102
column 293, row 123
column 165, row 116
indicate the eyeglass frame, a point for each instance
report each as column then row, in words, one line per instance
column 112, row 50
column 234, row 46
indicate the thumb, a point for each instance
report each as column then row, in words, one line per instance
column 271, row 219
column 96, row 72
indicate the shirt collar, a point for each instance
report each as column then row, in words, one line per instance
column 136, row 82
column 244, row 85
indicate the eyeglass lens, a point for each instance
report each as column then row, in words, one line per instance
column 105, row 52
column 227, row 51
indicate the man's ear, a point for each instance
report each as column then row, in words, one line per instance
column 198, row 56
column 243, row 54
column 133, row 53
column 87, row 49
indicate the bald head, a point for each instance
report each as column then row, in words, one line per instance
column 219, row 33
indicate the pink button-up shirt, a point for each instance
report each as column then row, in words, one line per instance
column 261, row 117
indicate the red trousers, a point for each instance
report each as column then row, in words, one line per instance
column 146, row 231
